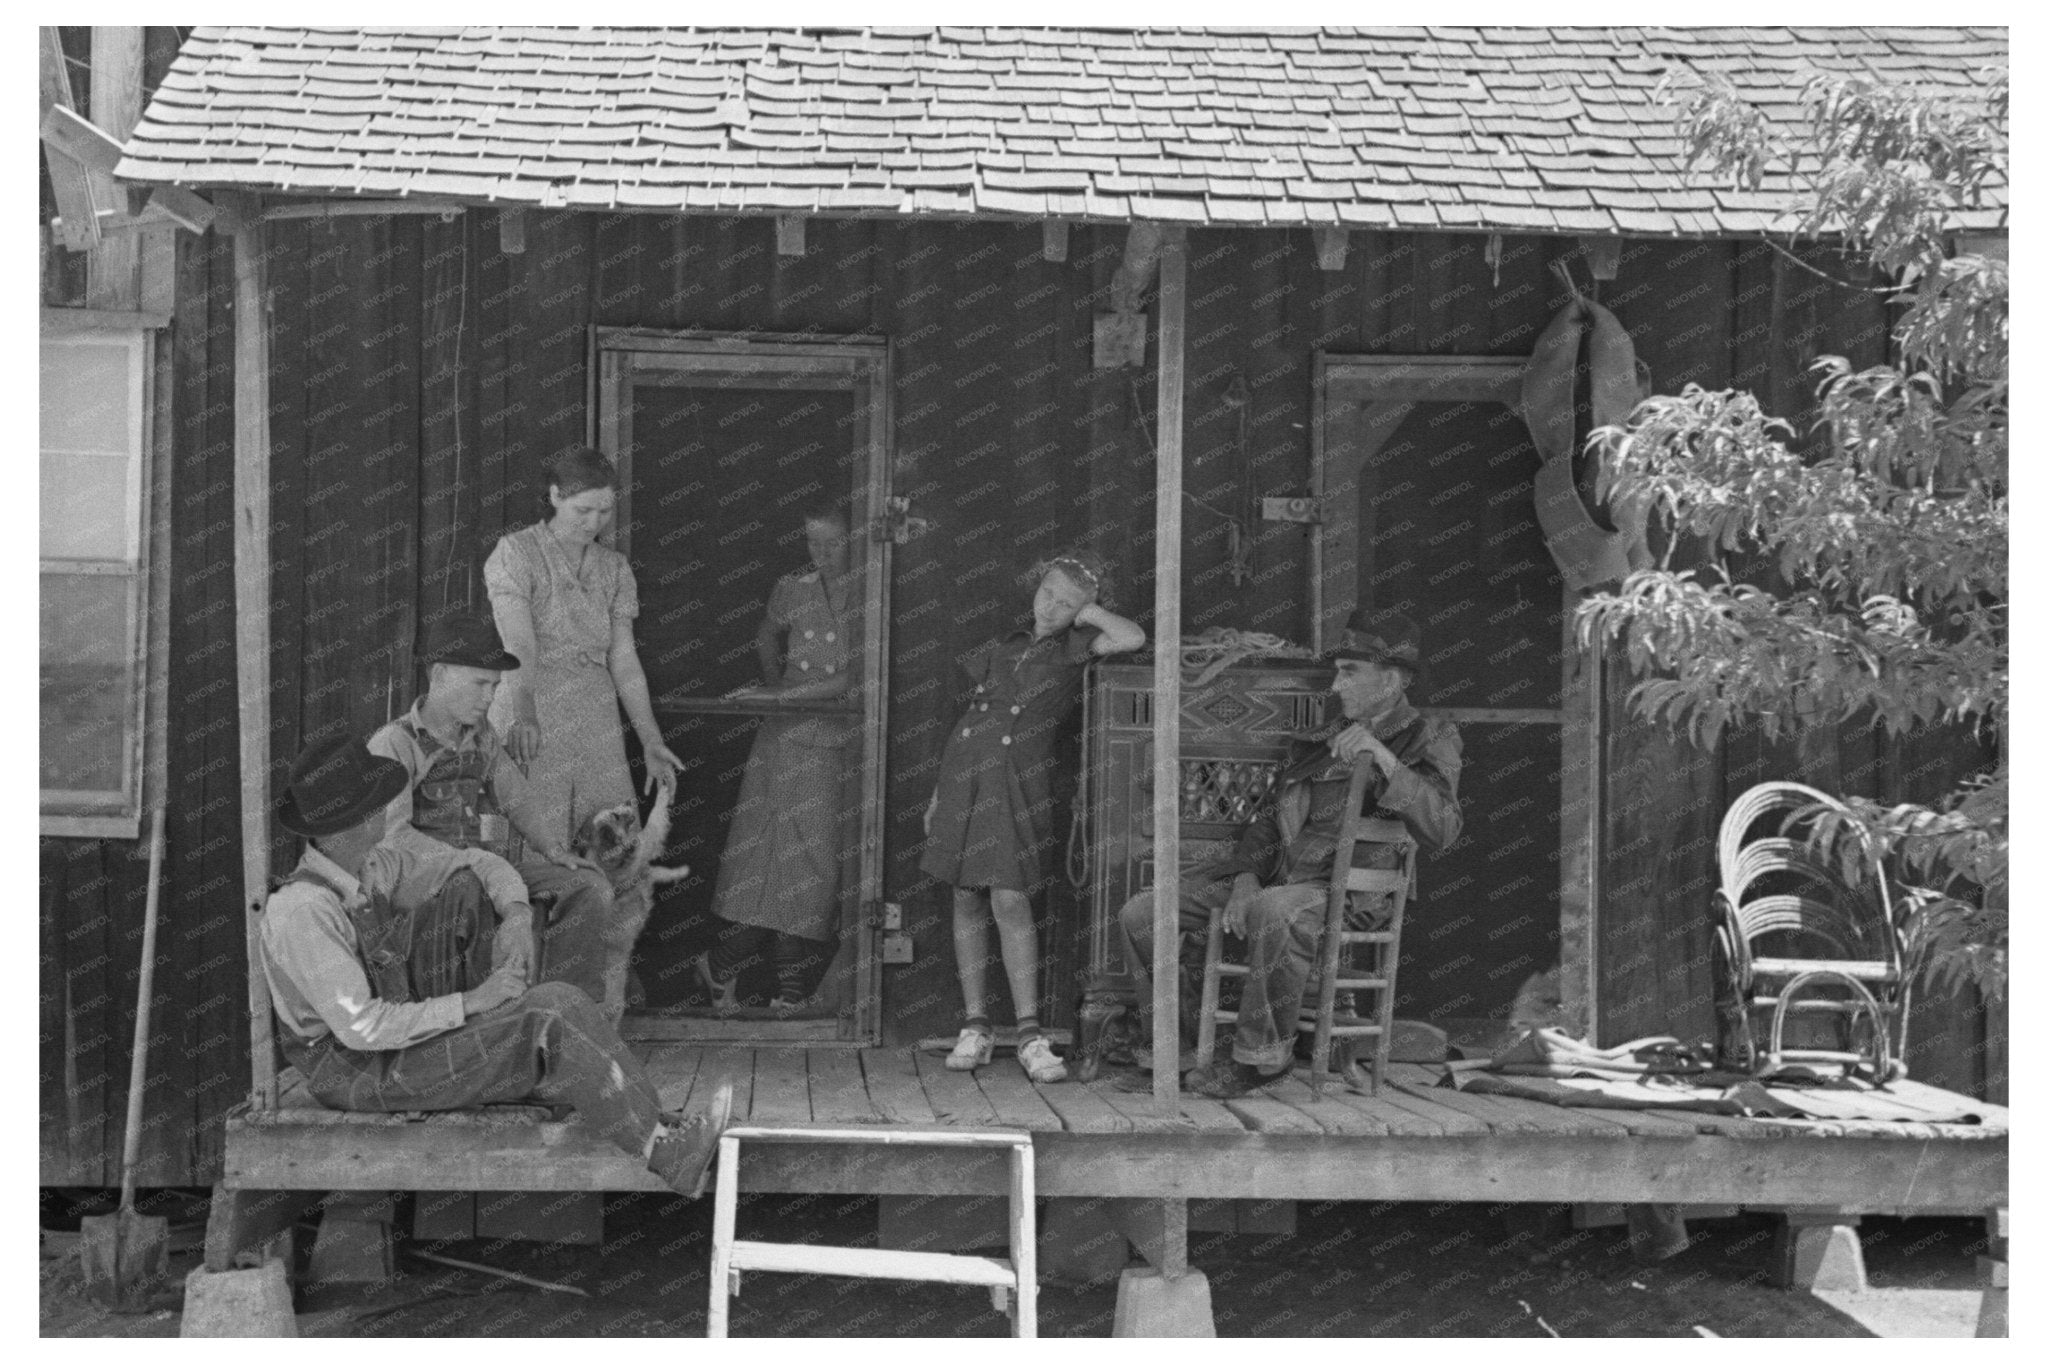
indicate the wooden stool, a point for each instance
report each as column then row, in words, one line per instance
column 1371, row 970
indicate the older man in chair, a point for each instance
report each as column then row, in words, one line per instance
column 400, row 983
column 1274, row 887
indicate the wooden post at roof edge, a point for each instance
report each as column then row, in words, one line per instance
column 1173, row 281
column 252, row 613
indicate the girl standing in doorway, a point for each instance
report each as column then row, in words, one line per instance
column 990, row 826
column 778, row 882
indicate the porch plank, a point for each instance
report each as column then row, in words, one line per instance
column 1083, row 1109
column 782, row 1091
column 720, row 1064
column 1016, row 1101
column 1502, row 1116
column 1269, row 1116
column 673, row 1071
column 893, row 1088
column 1442, row 1121
column 954, row 1096
column 1324, row 1110
column 839, row 1094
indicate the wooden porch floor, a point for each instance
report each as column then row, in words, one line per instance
column 1413, row 1141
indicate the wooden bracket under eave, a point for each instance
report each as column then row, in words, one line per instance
column 512, row 231
column 1055, row 239
column 1332, row 244
column 193, row 212
column 789, row 234
column 1603, row 256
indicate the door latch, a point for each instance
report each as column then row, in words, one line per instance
column 896, row 525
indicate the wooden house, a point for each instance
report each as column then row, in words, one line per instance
column 998, row 289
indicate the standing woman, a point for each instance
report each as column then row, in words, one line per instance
column 990, row 826
column 565, row 606
column 778, row 882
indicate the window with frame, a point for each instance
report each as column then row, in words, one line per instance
column 93, row 548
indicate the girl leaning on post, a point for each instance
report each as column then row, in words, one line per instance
column 990, row 827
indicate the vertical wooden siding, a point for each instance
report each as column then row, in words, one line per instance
column 421, row 375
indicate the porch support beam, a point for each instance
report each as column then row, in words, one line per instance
column 1173, row 287
column 252, row 615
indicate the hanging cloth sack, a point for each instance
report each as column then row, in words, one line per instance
column 1588, row 554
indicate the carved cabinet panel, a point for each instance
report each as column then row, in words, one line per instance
column 1233, row 737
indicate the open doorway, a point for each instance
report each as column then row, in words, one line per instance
column 763, row 630
column 1425, row 482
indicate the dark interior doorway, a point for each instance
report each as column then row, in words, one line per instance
column 726, row 447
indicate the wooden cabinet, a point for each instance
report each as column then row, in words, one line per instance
column 1233, row 738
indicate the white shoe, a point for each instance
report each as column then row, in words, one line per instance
column 1044, row 1068
column 975, row 1048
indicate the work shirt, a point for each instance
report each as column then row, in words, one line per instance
column 1294, row 838
column 310, row 957
column 465, row 794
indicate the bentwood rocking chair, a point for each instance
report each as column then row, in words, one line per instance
column 1791, row 927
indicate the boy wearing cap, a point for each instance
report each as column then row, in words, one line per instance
column 463, row 792
column 375, row 1026
column 1275, row 884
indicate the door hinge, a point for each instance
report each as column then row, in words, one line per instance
column 896, row 525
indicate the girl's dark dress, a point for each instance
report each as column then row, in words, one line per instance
column 994, row 823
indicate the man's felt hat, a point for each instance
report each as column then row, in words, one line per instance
column 469, row 642
column 1382, row 637
column 336, row 784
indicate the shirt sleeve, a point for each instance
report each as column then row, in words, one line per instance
column 781, row 603
column 394, row 743
column 1423, row 791
column 307, row 940
column 626, row 596
column 1080, row 645
column 507, row 573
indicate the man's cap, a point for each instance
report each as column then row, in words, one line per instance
column 469, row 642
column 1382, row 637
column 335, row 785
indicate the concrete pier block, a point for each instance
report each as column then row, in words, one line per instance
column 1150, row 1305
column 354, row 1244
column 239, row 1302
column 1820, row 1250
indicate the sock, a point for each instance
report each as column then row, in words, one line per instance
column 980, row 1023
column 1027, row 1028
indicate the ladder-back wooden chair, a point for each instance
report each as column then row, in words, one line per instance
column 1788, row 925
column 1359, row 953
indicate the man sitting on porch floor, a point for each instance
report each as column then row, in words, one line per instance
column 1275, row 884
column 463, row 792
column 389, row 1009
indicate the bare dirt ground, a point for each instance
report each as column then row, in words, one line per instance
column 1349, row 1270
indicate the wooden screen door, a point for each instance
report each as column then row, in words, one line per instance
column 723, row 444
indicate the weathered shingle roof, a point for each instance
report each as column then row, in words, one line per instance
column 1518, row 129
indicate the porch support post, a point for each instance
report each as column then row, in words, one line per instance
column 1173, row 280
column 252, row 617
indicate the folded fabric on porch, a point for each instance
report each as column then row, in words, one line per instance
column 1548, row 1065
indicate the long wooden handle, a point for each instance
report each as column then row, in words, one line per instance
column 138, row 1066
